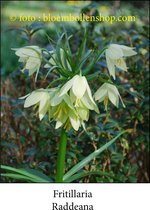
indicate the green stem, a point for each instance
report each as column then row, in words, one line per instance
column 61, row 156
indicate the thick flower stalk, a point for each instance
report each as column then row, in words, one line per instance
column 115, row 57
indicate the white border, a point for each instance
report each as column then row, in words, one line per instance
column 105, row 196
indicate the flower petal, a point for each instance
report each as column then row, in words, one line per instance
column 111, row 66
column 58, row 124
column 89, row 93
column 56, row 99
column 33, row 98
column 66, row 87
column 28, row 51
column 79, row 86
column 127, row 51
column 114, row 51
column 75, row 123
column 83, row 113
column 44, row 101
column 33, row 62
column 115, row 90
column 113, row 97
column 121, row 64
column 88, row 103
column 23, row 97
column 113, row 94
column 68, row 101
column 74, row 120
column 101, row 93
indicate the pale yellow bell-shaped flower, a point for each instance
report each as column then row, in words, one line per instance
column 65, row 116
column 115, row 57
column 63, row 112
column 59, row 108
column 40, row 97
column 72, row 104
column 80, row 92
column 83, row 105
column 108, row 91
column 31, row 56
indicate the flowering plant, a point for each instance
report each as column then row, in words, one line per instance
column 69, row 99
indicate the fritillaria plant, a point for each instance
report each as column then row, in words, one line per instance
column 70, row 102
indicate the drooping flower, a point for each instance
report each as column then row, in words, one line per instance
column 31, row 57
column 67, row 110
column 64, row 112
column 108, row 91
column 115, row 57
column 65, row 115
column 80, row 93
column 40, row 97
column 59, row 108
column 68, row 114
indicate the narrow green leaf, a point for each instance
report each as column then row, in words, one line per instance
column 92, row 76
column 49, row 71
column 84, row 174
column 84, row 59
column 59, row 63
column 34, row 174
column 60, row 40
column 69, row 58
column 81, row 51
column 51, row 41
column 86, row 160
column 93, row 62
column 37, row 29
column 19, row 177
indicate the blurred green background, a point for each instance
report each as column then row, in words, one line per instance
column 27, row 142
